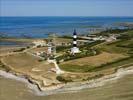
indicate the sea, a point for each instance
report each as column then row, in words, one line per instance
column 41, row 27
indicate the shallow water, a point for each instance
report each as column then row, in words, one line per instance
column 12, row 43
column 121, row 89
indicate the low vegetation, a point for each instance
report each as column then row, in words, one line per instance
column 85, row 51
column 113, row 31
column 19, row 50
column 116, row 64
column 88, row 63
column 123, row 47
column 63, row 79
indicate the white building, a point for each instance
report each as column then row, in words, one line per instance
column 39, row 43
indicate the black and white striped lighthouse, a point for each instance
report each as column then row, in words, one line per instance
column 75, row 49
column 74, row 39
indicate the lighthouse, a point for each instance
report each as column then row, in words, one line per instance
column 75, row 49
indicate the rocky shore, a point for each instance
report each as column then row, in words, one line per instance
column 68, row 87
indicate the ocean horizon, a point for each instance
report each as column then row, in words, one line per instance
column 40, row 26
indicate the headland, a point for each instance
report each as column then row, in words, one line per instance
column 50, row 64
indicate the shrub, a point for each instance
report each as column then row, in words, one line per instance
column 62, row 79
column 19, row 50
column 96, row 76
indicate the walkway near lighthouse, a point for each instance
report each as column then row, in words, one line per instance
column 57, row 68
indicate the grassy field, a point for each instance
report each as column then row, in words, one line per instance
column 5, row 49
column 25, row 63
column 39, row 49
column 117, row 53
column 121, row 47
column 87, row 63
column 30, row 65
column 114, row 31
column 125, row 62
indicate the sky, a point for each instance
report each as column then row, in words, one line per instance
column 66, row 7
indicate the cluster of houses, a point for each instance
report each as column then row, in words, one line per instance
column 39, row 43
column 110, row 38
column 43, row 48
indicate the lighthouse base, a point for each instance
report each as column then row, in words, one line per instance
column 75, row 50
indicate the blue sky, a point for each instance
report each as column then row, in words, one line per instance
column 66, row 7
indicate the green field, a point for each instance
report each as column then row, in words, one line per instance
column 123, row 46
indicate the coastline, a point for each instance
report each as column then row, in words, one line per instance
column 69, row 87
column 33, row 73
